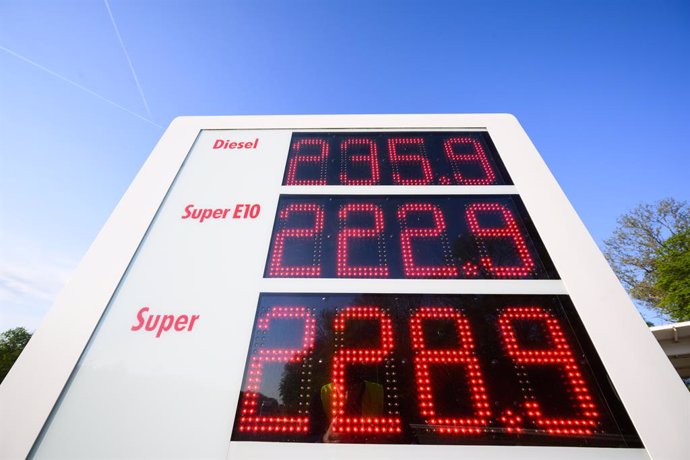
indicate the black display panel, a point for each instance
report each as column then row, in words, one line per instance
column 456, row 236
column 426, row 369
column 394, row 158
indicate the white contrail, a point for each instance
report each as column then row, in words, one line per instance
column 129, row 61
column 73, row 83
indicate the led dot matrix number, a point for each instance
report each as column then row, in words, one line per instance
column 421, row 354
column 342, row 421
column 454, row 236
column 250, row 419
column 394, row 158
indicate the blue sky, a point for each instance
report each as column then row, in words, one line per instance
column 87, row 87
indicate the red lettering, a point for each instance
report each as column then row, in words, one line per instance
column 232, row 145
column 246, row 211
column 166, row 324
column 202, row 214
column 163, row 323
column 181, row 322
column 140, row 318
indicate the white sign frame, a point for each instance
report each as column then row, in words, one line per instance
column 656, row 400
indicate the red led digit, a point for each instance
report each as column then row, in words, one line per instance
column 509, row 230
column 371, row 158
column 276, row 267
column 559, row 355
column 298, row 157
column 250, row 420
column 464, row 356
column 411, row 269
column 478, row 157
column 409, row 158
column 356, row 424
column 346, row 233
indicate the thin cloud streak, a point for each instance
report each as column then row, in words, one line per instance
column 73, row 83
column 129, row 61
column 29, row 281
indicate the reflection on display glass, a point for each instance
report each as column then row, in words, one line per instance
column 456, row 236
column 394, row 158
column 426, row 369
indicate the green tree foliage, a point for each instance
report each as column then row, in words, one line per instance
column 644, row 238
column 12, row 342
column 673, row 276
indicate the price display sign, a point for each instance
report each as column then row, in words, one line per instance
column 336, row 287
